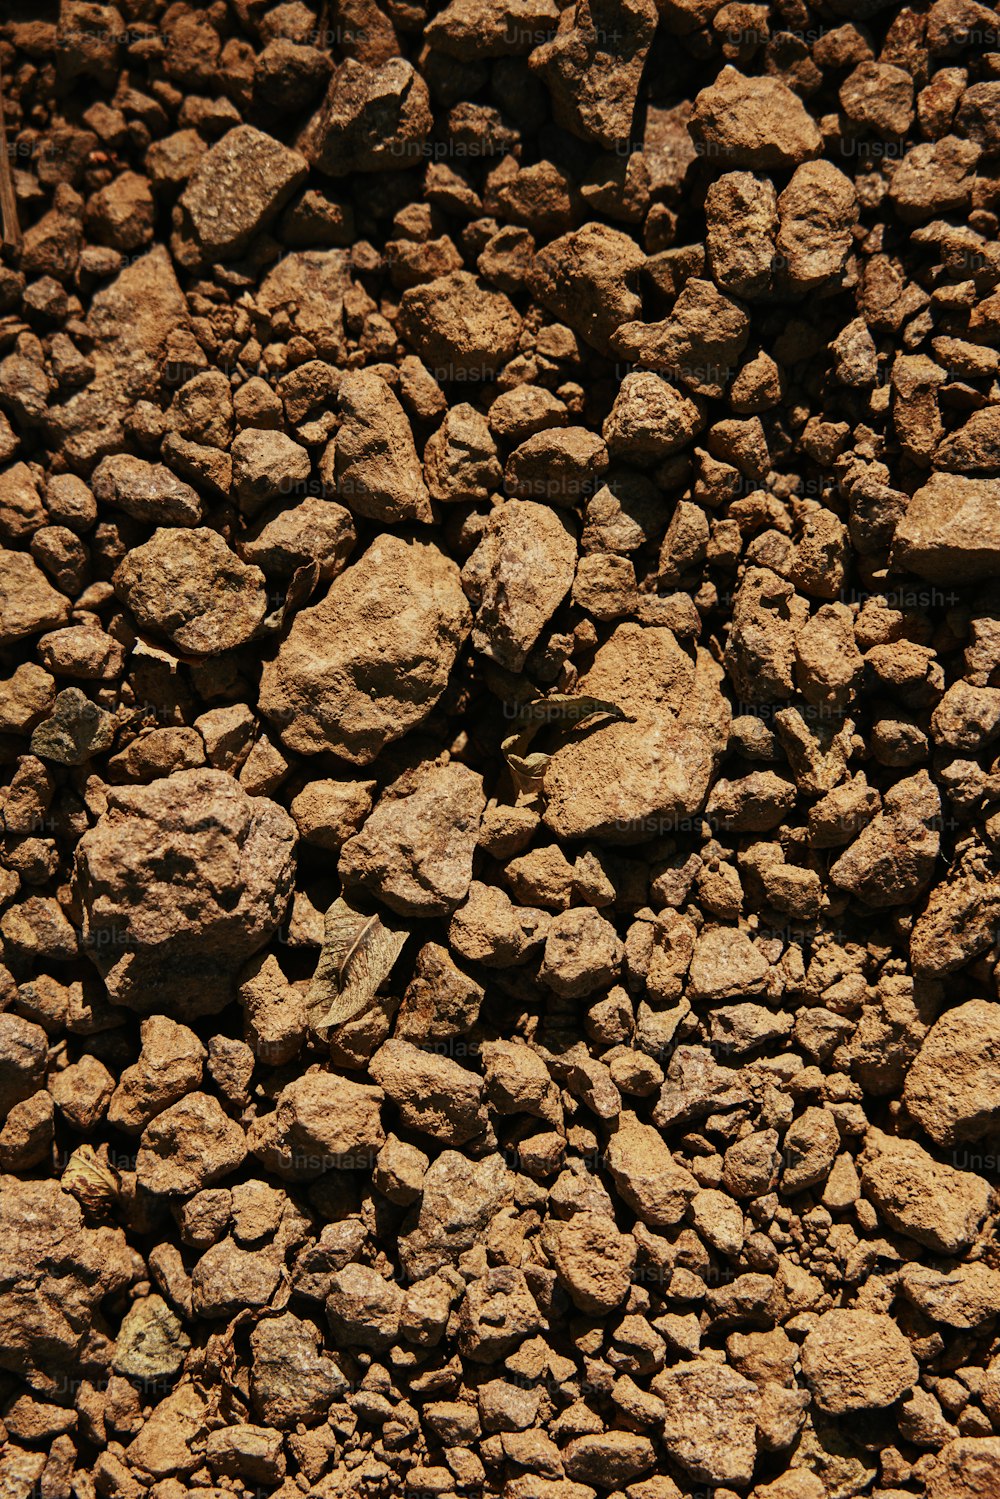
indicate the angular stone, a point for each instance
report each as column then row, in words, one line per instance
column 953, row 1087
column 934, row 1204
column 415, row 850
column 28, row 602
column 237, row 188
column 373, row 119
column 181, row 881
column 189, row 586
column 753, row 122
column 951, row 530
column 856, row 1361
column 630, row 781
column 369, row 662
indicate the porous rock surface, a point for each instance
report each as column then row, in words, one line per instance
column 499, row 733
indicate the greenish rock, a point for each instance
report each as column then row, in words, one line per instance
column 151, row 1343
column 77, row 730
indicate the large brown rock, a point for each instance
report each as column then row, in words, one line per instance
column 130, row 322
column 462, row 329
column 951, row 530
column 369, row 661
column 593, row 66
column 54, row 1273
column 373, row 119
column 28, row 602
column 378, row 472
column 322, row 1121
column 189, row 586
column 920, row 1197
column 517, row 577
column 856, row 1361
column 710, row 1423
column 630, row 781
column 178, row 883
column 753, row 122
column 415, row 850
column 189, row 1146
column 237, row 188
column 893, row 859
column 953, row 1087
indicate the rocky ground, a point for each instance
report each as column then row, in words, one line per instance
column 499, row 697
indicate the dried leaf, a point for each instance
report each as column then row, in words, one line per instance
column 359, row 952
column 91, row 1180
column 299, row 592
column 561, row 710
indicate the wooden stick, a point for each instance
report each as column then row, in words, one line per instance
column 8, row 202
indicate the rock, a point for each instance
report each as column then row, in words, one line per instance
column 964, row 1298
column 28, row 602
column 461, row 329
column 158, row 934
column 291, row 1379
column 130, row 322
column 593, row 65
column 377, row 468
column 698, row 345
column 321, row 1122
column 594, row 1262
column 951, row 530
column 473, row 29
column 517, row 577
column 460, row 459
column 54, row 1274
column 497, row 1313
column 611, row 1460
column 77, row 731
column 23, row 1052
column 956, row 925
column 966, row 1468
column 648, row 1179
column 893, row 858
column 710, row 1421
column 415, row 850
column 582, row 953
column 753, row 122
column 855, row 1361
column 953, row 1086
column 237, row 188
column 307, row 290
column 190, row 1145
column 725, row 964
column 392, row 623
column 373, row 119
column 817, row 212
column 188, row 586
column 650, row 420
column 435, row 1096
column 151, row 1343
column 315, row 529
column 629, row 781
column 931, row 1203
column 588, row 279
column 169, row 1066
column 246, row 1452
column 459, row 1200
column 227, row 1279
column 267, row 466
column 363, row 1309
column 149, row 492
column 741, row 213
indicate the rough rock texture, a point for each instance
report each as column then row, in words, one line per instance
column 499, row 731
column 371, row 660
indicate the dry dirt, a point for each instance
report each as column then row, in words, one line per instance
column 499, row 707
